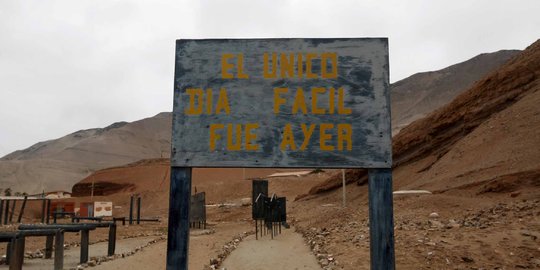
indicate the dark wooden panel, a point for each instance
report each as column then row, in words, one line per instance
column 257, row 206
column 281, row 205
column 197, row 213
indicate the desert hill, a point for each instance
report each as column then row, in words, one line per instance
column 60, row 163
column 418, row 95
column 150, row 179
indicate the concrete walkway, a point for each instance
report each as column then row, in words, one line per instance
column 286, row 251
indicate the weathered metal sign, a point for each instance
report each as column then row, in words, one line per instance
column 197, row 212
column 282, row 103
column 259, row 190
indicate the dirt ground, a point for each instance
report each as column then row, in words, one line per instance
column 486, row 231
column 202, row 247
column 287, row 250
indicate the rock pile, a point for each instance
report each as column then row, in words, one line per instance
column 318, row 239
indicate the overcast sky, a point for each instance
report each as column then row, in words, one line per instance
column 73, row 64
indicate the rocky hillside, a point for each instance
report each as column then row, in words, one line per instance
column 58, row 164
column 418, row 95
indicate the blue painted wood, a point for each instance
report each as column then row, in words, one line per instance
column 381, row 219
column 138, row 210
column 362, row 73
column 178, row 230
column 131, row 210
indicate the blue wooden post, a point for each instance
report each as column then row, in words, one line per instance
column 138, row 210
column 1, row 210
column 381, row 219
column 179, row 204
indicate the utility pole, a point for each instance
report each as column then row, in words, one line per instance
column 92, row 189
column 92, row 194
column 344, row 191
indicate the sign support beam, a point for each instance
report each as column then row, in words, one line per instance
column 178, row 230
column 381, row 219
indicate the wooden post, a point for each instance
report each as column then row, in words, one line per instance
column 1, row 210
column 112, row 239
column 49, row 246
column 6, row 214
column 22, row 209
column 43, row 202
column 48, row 211
column 17, row 256
column 85, row 237
column 381, row 219
column 138, row 210
column 178, row 230
column 12, row 211
column 131, row 210
column 59, row 250
column 9, row 250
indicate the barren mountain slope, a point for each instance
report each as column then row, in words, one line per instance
column 58, row 164
column 421, row 93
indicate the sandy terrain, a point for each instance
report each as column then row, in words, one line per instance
column 286, row 251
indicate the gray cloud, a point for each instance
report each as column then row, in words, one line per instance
column 70, row 65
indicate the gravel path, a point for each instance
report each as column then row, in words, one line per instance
column 286, row 251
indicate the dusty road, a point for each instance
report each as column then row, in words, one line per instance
column 286, row 251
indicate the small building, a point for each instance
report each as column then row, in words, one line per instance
column 62, row 207
column 95, row 209
column 60, row 194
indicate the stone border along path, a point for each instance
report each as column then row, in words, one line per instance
column 316, row 240
column 33, row 257
column 40, row 253
column 226, row 250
